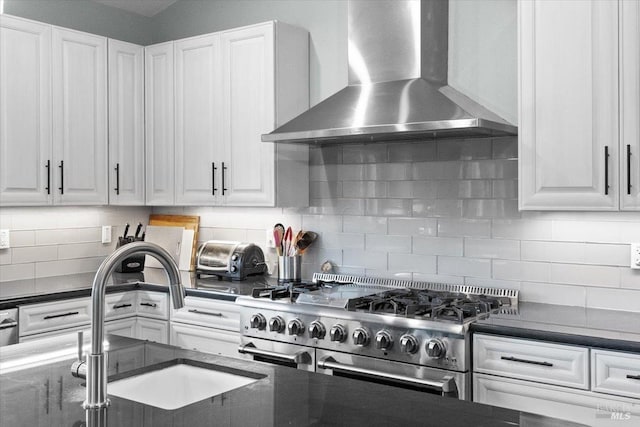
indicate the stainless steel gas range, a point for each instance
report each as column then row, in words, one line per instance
column 410, row 334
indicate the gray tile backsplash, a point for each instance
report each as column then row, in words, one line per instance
column 441, row 211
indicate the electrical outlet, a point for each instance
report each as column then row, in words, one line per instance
column 5, row 242
column 106, row 234
column 635, row 256
column 269, row 239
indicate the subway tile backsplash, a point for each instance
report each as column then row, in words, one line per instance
column 443, row 211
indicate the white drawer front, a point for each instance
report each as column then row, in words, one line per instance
column 51, row 316
column 210, row 313
column 579, row 406
column 531, row 360
column 153, row 304
column 120, row 305
column 615, row 372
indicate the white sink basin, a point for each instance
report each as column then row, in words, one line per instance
column 176, row 386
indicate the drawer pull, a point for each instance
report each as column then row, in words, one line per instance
column 532, row 362
column 633, row 377
column 115, row 307
column 71, row 313
column 149, row 304
column 193, row 310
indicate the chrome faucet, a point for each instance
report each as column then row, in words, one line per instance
column 96, row 364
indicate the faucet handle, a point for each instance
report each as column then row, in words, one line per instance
column 80, row 343
column 79, row 367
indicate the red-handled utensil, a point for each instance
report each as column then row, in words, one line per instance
column 287, row 241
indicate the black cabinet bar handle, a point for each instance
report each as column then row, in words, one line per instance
column 628, row 169
column 606, row 170
column 54, row 316
column 193, row 310
column 48, row 166
column 149, row 304
column 532, row 362
column 213, row 178
column 224, row 168
column 61, row 188
column 115, row 307
column 633, row 377
column 117, row 179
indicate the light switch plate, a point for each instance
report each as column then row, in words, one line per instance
column 5, row 242
column 635, row 256
column 269, row 242
column 106, row 234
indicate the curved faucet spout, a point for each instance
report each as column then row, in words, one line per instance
column 97, row 361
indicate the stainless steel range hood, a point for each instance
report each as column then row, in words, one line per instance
column 398, row 61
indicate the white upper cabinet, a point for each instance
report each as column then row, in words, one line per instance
column 231, row 87
column 630, row 104
column 25, row 112
column 265, row 83
column 569, row 123
column 79, row 76
column 159, row 124
column 126, row 123
column 198, row 124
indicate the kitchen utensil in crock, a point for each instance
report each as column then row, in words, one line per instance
column 305, row 241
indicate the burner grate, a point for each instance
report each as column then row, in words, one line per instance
column 510, row 294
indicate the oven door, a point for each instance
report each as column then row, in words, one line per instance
column 429, row 380
column 278, row 353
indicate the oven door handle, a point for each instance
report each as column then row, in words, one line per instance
column 300, row 357
column 447, row 384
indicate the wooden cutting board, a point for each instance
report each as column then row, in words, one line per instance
column 189, row 222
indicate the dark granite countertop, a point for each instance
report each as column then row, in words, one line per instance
column 55, row 288
column 37, row 389
column 612, row 329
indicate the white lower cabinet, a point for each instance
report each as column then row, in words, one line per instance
column 574, row 383
column 554, row 401
column 137, row 314
column 152, row 330
column 208, row 325
column 208, row 340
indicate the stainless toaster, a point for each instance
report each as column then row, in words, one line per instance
column 231, row 260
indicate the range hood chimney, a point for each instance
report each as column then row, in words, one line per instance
column 398, row 62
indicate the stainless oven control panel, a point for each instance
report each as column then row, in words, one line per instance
column 397, row 339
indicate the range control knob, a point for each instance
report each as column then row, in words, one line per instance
column 295, row 327
column 317, row 330
column 337, row 333
column 234, row 257
column 233, row 269
column 360, row 337
column 276, row 324
column 435, row 349
column 408, row 344
column 384, row 340
column 258, row 321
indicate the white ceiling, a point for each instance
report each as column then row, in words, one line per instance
column 141, row 7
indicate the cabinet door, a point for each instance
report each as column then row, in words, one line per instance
column 207, row 340
column 126, row 123
column 568, row 105
column 121, row 327
column 159, row 124
column 198, row 127
column 153, row 330
column 79, row 117
column 248, row 112
column 630, row 104
column 25, row 112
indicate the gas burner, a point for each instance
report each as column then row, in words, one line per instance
column 426, row 304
